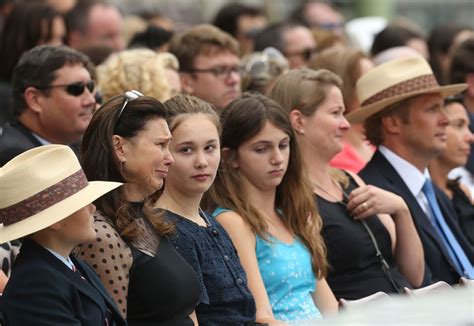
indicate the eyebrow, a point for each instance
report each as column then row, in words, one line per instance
column 192, row 142
column 268, row 142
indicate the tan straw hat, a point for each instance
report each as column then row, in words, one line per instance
column 41, row 187
column 394, row 81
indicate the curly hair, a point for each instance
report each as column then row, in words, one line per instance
column 140, row 69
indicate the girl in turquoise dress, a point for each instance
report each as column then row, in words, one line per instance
column 267, row 207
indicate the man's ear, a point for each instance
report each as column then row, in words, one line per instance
column 187, row 82
column 298, row 121
column 34, row 99
column 120, row 145
column 392, row 124
column 230, row 157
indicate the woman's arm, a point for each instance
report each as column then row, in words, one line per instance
column 324, row 299
column 244, row 241
column 406, row 243
column 3, row 281
column 194, row 318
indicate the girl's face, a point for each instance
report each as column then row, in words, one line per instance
column 326, row 127
column 459, row 137
column 196, row 151
column 262, row 161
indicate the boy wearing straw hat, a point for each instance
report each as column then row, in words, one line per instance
column 46, row 199
column 403, row 114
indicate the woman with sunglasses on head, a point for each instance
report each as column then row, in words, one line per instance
column 368, row 250
column 224, row 297
column 265, row 203
column 459, row 139
column 127, row 141
column 46, row 199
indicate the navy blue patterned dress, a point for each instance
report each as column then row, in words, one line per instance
column 225, row 298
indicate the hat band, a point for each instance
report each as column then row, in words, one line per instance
column 44, row 199
column 407, row 86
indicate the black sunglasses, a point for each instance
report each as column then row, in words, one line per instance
column 74, row 89
column 306, row 53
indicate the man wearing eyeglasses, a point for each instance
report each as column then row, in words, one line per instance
column 209, row 64
column 53, row 100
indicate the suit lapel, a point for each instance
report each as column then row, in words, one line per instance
column 399, row 186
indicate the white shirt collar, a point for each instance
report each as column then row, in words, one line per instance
column 67, row 262
column 41, row 139
column 412, row 177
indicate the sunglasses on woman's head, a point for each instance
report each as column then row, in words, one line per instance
column 74, row 89
column 129, row 96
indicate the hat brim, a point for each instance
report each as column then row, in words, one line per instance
column 360, row 115
column 57, row 212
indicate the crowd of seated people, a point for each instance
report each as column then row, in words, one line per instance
column 246, row 177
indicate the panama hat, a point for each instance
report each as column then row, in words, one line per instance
column 42, row 186
column 395, row 81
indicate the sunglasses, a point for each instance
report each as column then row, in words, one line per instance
column 74, row 89
column 306, row 54
column 129, row 96
column 269, row 62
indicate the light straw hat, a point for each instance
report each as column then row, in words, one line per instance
column 41, row 187
column 395, row 81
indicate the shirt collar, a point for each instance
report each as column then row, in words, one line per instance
column 67, row 261
column 412, row 177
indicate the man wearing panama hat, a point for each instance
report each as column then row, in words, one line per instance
column 46, row 199
column 403, row 114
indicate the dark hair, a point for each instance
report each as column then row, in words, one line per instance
column 462, row 62
column 439, row 42
column 227, row 18
column 273, row 36
column 392, row 36
column 99, row 161
column 77, row 18
column 299, row 13
column 241, row 120
column 25, row 27
column 37, row 68
column 152, row 38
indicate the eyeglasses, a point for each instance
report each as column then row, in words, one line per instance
column 74, row 89
column 129, row 96
column 221, row 72
column 269, row 62
column 306, row 54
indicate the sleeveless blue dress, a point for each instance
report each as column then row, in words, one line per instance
column 288, row 277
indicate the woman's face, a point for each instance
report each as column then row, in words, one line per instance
column 325, row 128
column 262, row 161
column 459, row 137
column 146, row 158
column 196, row 151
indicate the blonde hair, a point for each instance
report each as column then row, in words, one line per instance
column 140, row 69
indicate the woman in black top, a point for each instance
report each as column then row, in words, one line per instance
column 127, row 140
column 356, row 227
column 459, row 139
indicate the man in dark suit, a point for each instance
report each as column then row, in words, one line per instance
column 402, row 106
column 53, row 100
column 46, row 198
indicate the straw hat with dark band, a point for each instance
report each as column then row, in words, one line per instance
column 41, row 187
column 395, row 81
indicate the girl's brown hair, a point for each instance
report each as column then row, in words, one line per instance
column 99, row 161
column 241, row 120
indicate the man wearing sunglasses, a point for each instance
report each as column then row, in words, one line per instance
column 292, row 39
column 209, row 64
column 53, row 100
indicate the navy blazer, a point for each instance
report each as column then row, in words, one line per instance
column 438, row 264
column 42, row 290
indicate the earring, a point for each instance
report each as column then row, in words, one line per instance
column 122, row 163
column 300, row 131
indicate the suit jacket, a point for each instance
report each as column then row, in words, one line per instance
column 438, row 264
column 16, row 139
column 42, row 290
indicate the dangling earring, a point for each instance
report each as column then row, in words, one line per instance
column 122, row 163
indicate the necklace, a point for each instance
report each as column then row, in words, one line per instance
column 345, row 196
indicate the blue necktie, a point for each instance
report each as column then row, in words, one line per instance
column 459, row 258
